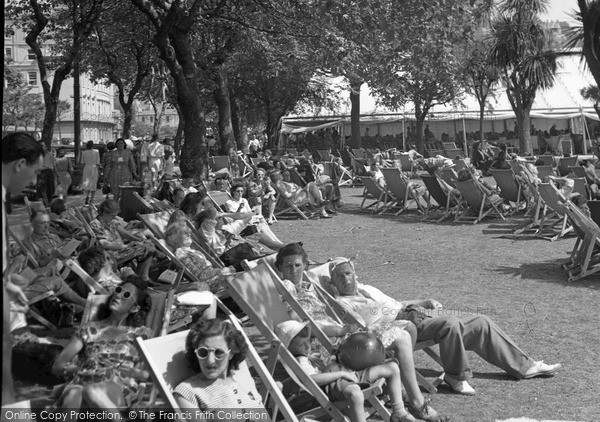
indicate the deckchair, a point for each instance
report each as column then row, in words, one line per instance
column 449, row 145
column 564, row 164
column 162, row 205
column 437, row 193
column 255, row 161
column 31, row 206
column 585, row 257
column 535, row 210
column 547, row 160
column 545, row 171
column 320, row 278
column 296, row 178
column 219, row 198
column 285, row 205
column 475, row 200
column 406, row 165
column 202, row 245
column 452, row 153
column 165, row 359
column 509, row 187
column 218, row 162
column 19, row 233
column 156, row 222
column 324, row 155
column 460, row 164
column 358, row 167
column 143, row 203
column 449, row 176
column 345, row 179
column 553, row 203
column 398, row 190
column 89, row 281
column 581, row 187
column 359, row 153
column 577, row 171
column 594, row 207
column 259, row 293
column 374, row 191
column 86, row 225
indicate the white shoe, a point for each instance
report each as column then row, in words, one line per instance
column 540, row 369
column 459, row 386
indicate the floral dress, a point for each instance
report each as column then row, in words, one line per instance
column 197, row 264
column 108, row 354
column 108, row 232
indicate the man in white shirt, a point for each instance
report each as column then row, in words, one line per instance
column 156, row 153
column 22, row 159
column 454, row 334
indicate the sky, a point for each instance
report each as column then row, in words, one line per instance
column 560, row 9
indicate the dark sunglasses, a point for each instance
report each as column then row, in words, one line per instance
column 119, row 291
column 203, row 352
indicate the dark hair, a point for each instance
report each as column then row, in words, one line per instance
column 236, row 186
column 289, row 250
column 57, row 206
column 177, row 217
column 21, row 145
column 121, row 140
column 89, row 144
column 206, row 328
column 35, row 213
column 92, row 259
column 164, row 192
column 189, row 205
column 110, row 146
column 108, row 206
column 168, row 154
column 176, row 190
column 463, row 175
column 143, row 300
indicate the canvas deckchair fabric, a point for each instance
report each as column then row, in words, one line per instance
column 581, row 187
column 577, row 171
column 345, row 178
column 449, row 176
column 460, row 164
column 585, row 257
column 475, row 199
column 202, row 245
column 86, row 225
column 397, row 188
column 452, row 153
column 19, row 233
column 285, row 205
column 143, row 203
column 406, row 165
column 437, row 193
column 553, row 207
column 296, row 178
column 168, row 366
column 545, row 171
column 218, row 162
column 324, row 155
column 256, row 161
column 564, row 164
column 358, row 167
column 156, row 222
column 374, row 191
column 509, row 187
column 89, row 281
column 257, row 292
column 534, row 210
column 31, row 206
column 219, row 198
column 547, row 160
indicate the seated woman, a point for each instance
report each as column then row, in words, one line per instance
column 98, row 263
column 396, row 335
column 178, row 239
column 119, row 242
column 499, row 161
column 222, row 231
column 215, row 349
column 238, row 203
column 481, row 158
column 192, row 204
column 298, row 195
column 64, row 222
column 591, row 177
column 260, row 192
column 108, row 369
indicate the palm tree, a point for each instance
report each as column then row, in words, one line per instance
column 519, row 48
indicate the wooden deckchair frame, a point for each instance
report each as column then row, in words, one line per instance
column 265, row 283
column 564, row 163
column 147, row 206
column 441, row 197
column 398, row 189
column 172, row 349
column 553, row 203
column 219, row 162
column 475, row 198
column 585, row 257
column 285, row 205
column 375, row 191
column 510, row 188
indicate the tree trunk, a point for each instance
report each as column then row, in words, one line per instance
column 355, row 112
column 236, row 121
column 481, row 115
column 127, row 118
column 179, row 135
column 419, row 133
column 523, row 125
column 221, row 96
column 76, row 107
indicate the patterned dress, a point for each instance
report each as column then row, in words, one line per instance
column 108, row 232
column 108, row 354
column 121, row 169
column 197, row 264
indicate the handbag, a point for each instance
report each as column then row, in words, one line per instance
column 234, row 256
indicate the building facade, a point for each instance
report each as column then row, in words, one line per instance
column 99, row 119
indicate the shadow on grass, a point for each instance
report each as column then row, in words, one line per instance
column 548, row 271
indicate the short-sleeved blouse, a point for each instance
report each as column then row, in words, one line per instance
column 108, row 354
column 235, row 392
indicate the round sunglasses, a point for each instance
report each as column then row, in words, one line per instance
column 203, row 352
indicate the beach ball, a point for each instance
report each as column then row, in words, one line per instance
column 361, row 350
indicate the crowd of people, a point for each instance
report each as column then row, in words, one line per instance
column 100, row 364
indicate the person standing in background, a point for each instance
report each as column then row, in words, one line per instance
column 121, row 168
column 65, row 170
column 90, row 158
column 156, row 153
column 47, row 177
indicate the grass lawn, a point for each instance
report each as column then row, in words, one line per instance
column 477, row 269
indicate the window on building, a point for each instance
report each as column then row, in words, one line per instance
column 8, row 53
column 30, row 54
column 143, row 120
column 8, row 33
column 32, row 78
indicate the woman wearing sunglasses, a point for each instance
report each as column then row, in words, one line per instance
column 215, row 349
column 108, row 367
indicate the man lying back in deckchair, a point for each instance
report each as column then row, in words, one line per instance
column 454, row 334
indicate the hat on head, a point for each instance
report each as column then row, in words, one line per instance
column 287, row 330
